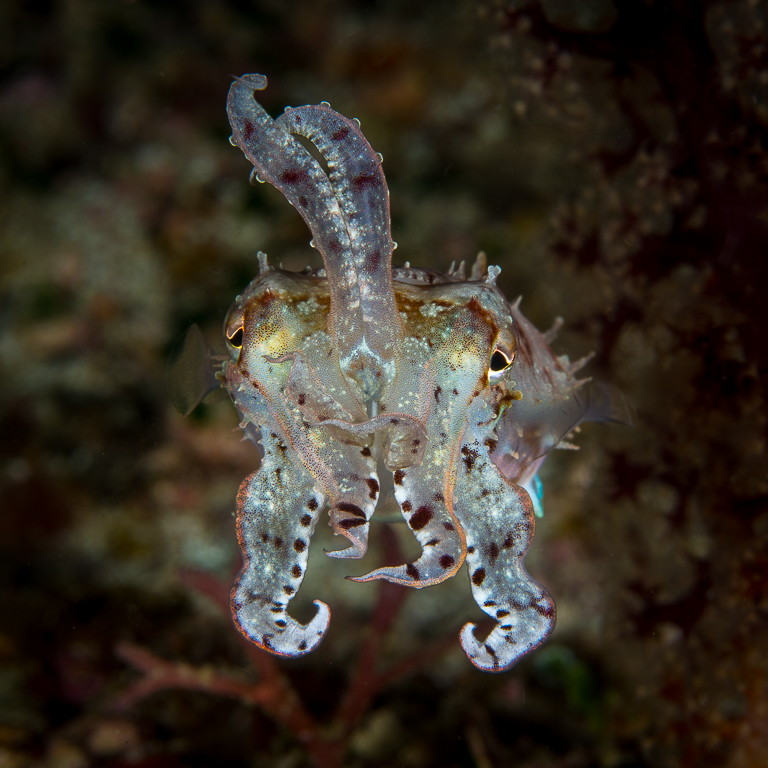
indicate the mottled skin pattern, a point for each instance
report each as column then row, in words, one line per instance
column 361, row 375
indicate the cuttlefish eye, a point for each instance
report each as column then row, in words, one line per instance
column 501, row 359
column 236, row 339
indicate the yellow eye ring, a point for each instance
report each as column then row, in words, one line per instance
column 236, row 339
column 500, row 361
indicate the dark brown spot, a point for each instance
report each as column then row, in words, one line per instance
column 351, row 522
column 294, row 176
column 506, row 626
column 373, row 487
column 288, row 590
column 432, row 543
column 299, row 545
column 438, row 390
column 277, row 609
column 366, row 451
column 485, row 492
column 456, row 392
column 352, row 509
column 341, row 134
column 489, row 603
column 306, row 519
column 490, row 650
column 301, row 399
column 412, row 571
column 478, row 577
column 278, row 542
column 296, row 571
column 302, row 645
column 312, row 505
column 372, row 261
column 446, row 561
column 509, row 541
column 548, row 611
column 281, row 623
column 493, row 551
column 247, row 129
column 491, row 444
column 364, row 180
column 394, row 421
column 470, row 456
column 265, row 537
column 334, row 245
column 407, row 506
column 470, row 550
column 500, row 614
column 449, row 526
column 278, row 473
column 439, row 497
column 399, row 475
column 303, row 202
column 421, row 517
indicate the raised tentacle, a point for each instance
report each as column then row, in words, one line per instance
column 368, row 328
column 349, row 221
column 277, row 509
column 281, row 160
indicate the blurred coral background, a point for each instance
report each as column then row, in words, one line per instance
column 610, row 157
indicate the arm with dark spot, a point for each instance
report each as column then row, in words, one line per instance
column 277, row 509
column 426, row 490
column 497, row 518
column 420, row 491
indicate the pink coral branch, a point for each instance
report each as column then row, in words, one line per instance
column 218, row 592
column 159, row 675
column 273, row 692
column 363, row 688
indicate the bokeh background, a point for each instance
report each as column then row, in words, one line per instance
column 610, row 157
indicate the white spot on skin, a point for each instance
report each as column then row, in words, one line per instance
column 431, row 310
column 308, row 307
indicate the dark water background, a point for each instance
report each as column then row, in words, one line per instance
column 613, row 162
